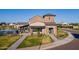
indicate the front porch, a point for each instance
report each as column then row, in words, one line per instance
column 35, row 29
column 41, row 30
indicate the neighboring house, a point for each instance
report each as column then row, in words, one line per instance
column 64, row 23
column 18, row 25
column 45, row 24
column 75, row 27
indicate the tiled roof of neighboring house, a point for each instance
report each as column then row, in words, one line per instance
column 49, row 15
column 50, row 23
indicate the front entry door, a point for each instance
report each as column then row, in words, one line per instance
column 50, row 30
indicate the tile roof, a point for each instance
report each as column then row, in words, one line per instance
column 49, row 15
column 50, row 23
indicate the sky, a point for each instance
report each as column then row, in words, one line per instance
column 23, row 15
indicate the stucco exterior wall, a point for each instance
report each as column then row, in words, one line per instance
column 43, row 31
column 55, row 30
column 30, row 31
column 46, row 30
column 39, row 21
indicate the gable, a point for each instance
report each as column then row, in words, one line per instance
column 37, row 24
column 36, row 19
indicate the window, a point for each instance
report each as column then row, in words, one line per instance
column 50, row 30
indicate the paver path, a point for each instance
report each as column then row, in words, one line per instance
column 17, row 43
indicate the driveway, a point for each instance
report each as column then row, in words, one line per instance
column 17, row 43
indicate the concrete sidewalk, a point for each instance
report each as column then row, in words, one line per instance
column 51, row 45
column 58, row 43
column 17, row 43
column 53, row 37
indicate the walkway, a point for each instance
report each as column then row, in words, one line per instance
column 17, row 43
column 74, row 45
column 59, row 42
column 53, row 37
column 56, row 43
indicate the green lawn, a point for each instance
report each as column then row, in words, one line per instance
column 6, row 41
column 61, row 34
column 34, row 40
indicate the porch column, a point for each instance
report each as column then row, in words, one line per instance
column 46, row 30
column 43, row 31
column 31, row 31
column 55, row 30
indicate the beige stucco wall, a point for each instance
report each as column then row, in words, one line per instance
column 30, row 31
column 37, row 24
column 39, row 21
column 46, row 30
column 43, row 31
column 54, row 30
